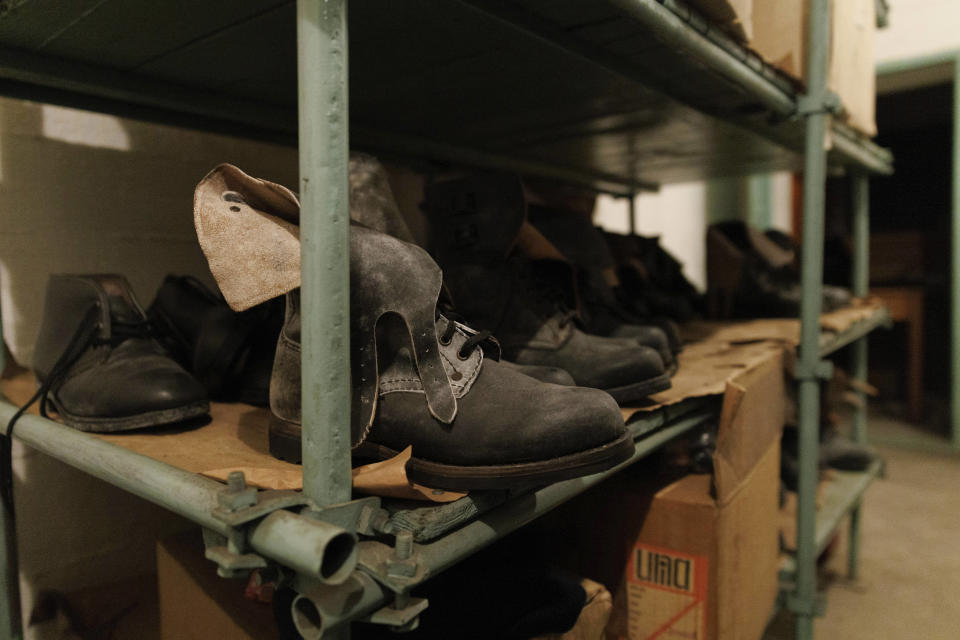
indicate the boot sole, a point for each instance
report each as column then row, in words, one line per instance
column 508, row 476
column 128, row 423
column 283, row 446
column 465, row 478
column 640, row 390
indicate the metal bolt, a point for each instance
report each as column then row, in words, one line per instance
column 236, row 482
column 403, row 546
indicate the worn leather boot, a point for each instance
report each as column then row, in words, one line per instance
column 528, row 304
column 419, row 379
column 583, row 244
column 650, row 283
column 373, row 205
column 99, row 364
column 229, row 353
column 753, row 275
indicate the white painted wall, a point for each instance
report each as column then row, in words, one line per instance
column 87, row 193
column 680, row 213
column 919, row 28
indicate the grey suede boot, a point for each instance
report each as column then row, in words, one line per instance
column 373, row 205
column 529, row 304
column 418, row 378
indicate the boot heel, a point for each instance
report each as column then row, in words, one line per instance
column 285, row 442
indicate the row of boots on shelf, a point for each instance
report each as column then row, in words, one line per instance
column 536, row 404
column 500, row 356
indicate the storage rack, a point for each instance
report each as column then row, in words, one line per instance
column 660, row 96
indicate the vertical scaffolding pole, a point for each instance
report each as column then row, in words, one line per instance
column 860, row 201
column 10, row 622
column 955, row 266
column 633, row 213
column 809, row 366
column 325, row 249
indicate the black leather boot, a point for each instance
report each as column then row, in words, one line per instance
column 419, row 379
column 528, row 304
column 754, row 275
column 583, row 244
column 230, row 353
column 99, row 364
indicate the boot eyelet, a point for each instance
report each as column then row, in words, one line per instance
column 444, row 343
column 460, row 356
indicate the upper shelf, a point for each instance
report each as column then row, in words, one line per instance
column 619, row 94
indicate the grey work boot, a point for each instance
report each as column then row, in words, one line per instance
column 99, row 364
column 584, row 245
column 373, row 205
column 527, row 303
column 419, row 379
column 521, row 301
column 543, row 373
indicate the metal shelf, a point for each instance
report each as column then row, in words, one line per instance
column 629, row 94
column 660, row 96
column 831, row 342
column 840, row 496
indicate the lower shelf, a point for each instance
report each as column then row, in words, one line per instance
column 838, row 498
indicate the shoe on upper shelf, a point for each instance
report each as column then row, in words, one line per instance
column 418, row 378
column 99, row 363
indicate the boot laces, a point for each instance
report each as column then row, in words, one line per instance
column 473, row 339
column 84, row 337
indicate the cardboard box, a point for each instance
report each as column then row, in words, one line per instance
column 695, row 557
column 733, row 16
column 197, row 604
column 779, row 35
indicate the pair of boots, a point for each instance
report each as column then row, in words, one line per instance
column 107, row 365
column 508, row 278
column 752, row 274
column 419, row 376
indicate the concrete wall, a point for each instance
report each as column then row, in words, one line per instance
column 86, row 193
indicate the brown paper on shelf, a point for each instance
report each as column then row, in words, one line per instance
column 705, row 368
column 715, row 352
column 786, row 330
column 235, row 439
column 389, row 478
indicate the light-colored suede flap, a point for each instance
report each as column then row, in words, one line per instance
column 249, row 232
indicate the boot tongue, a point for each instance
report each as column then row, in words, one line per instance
column 123, row 307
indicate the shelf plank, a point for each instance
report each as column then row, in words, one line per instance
column 840, row 495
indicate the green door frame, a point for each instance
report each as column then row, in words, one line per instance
column 935, row 65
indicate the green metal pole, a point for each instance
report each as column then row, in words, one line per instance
column 860, row 191
column 325, row 252
column 809, row 366
column 10, row 622
column 955, row 267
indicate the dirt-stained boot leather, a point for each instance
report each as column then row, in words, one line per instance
column 528, row 304
column 99, row 363
column 418, row 378
column 521, row 302
column 553, row 375
column 372, row 205
column 583, row 244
